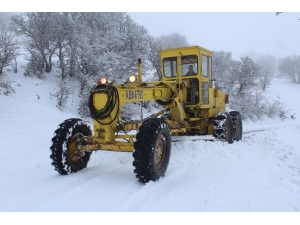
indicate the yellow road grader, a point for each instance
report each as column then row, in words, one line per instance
column 191, row 106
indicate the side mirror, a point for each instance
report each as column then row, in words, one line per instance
column 213, row 84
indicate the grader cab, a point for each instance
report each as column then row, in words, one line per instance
column 192, row 106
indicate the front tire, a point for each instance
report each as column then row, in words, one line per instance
column 152, row 150
column 66, row 154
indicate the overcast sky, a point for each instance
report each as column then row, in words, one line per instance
column 240, row 33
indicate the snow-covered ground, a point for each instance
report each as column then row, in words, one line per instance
column 261, row 173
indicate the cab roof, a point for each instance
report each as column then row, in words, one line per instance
column 185, row 50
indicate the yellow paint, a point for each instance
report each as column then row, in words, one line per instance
column 192, row 109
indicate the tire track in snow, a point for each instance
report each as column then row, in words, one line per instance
column 70, row 185
column 178, row 177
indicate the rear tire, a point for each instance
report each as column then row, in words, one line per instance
column 223, row 127
column 66, row 156
column 152, row 150
column 237, row 125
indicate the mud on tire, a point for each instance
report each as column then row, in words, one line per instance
column 66, row 158
column 152, row 150
column 237, row 125
column 223, row 127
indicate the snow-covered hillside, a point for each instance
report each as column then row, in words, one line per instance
column 261, row 173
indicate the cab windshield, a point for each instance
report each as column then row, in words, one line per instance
column 189, row 65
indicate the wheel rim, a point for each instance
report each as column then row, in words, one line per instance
column 159, row 152
column 75, row 154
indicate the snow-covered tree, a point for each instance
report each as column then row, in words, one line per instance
column 8, row 47
column 35, row 27
column 242, row 80
column 245, row 75
column 62, row 31
column 290, row 66
column 110, row 44
column 8, row 53
column 221, row 65
column 267, row 64
column 234, row 77
column 154, row 58
column 62, row 94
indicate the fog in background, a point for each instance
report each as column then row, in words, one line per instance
column 237, row 32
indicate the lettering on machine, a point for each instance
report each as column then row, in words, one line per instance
column 137, row 94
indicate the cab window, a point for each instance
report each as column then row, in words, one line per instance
column 189, row 65
column 170, row 67
column 206, row 66
column 205, row 92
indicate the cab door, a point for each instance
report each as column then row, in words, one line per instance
column 205, row 81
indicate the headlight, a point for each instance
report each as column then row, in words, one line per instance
column 124, row 79
column 110, row 80
column 103, row 80
column 132, row 78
